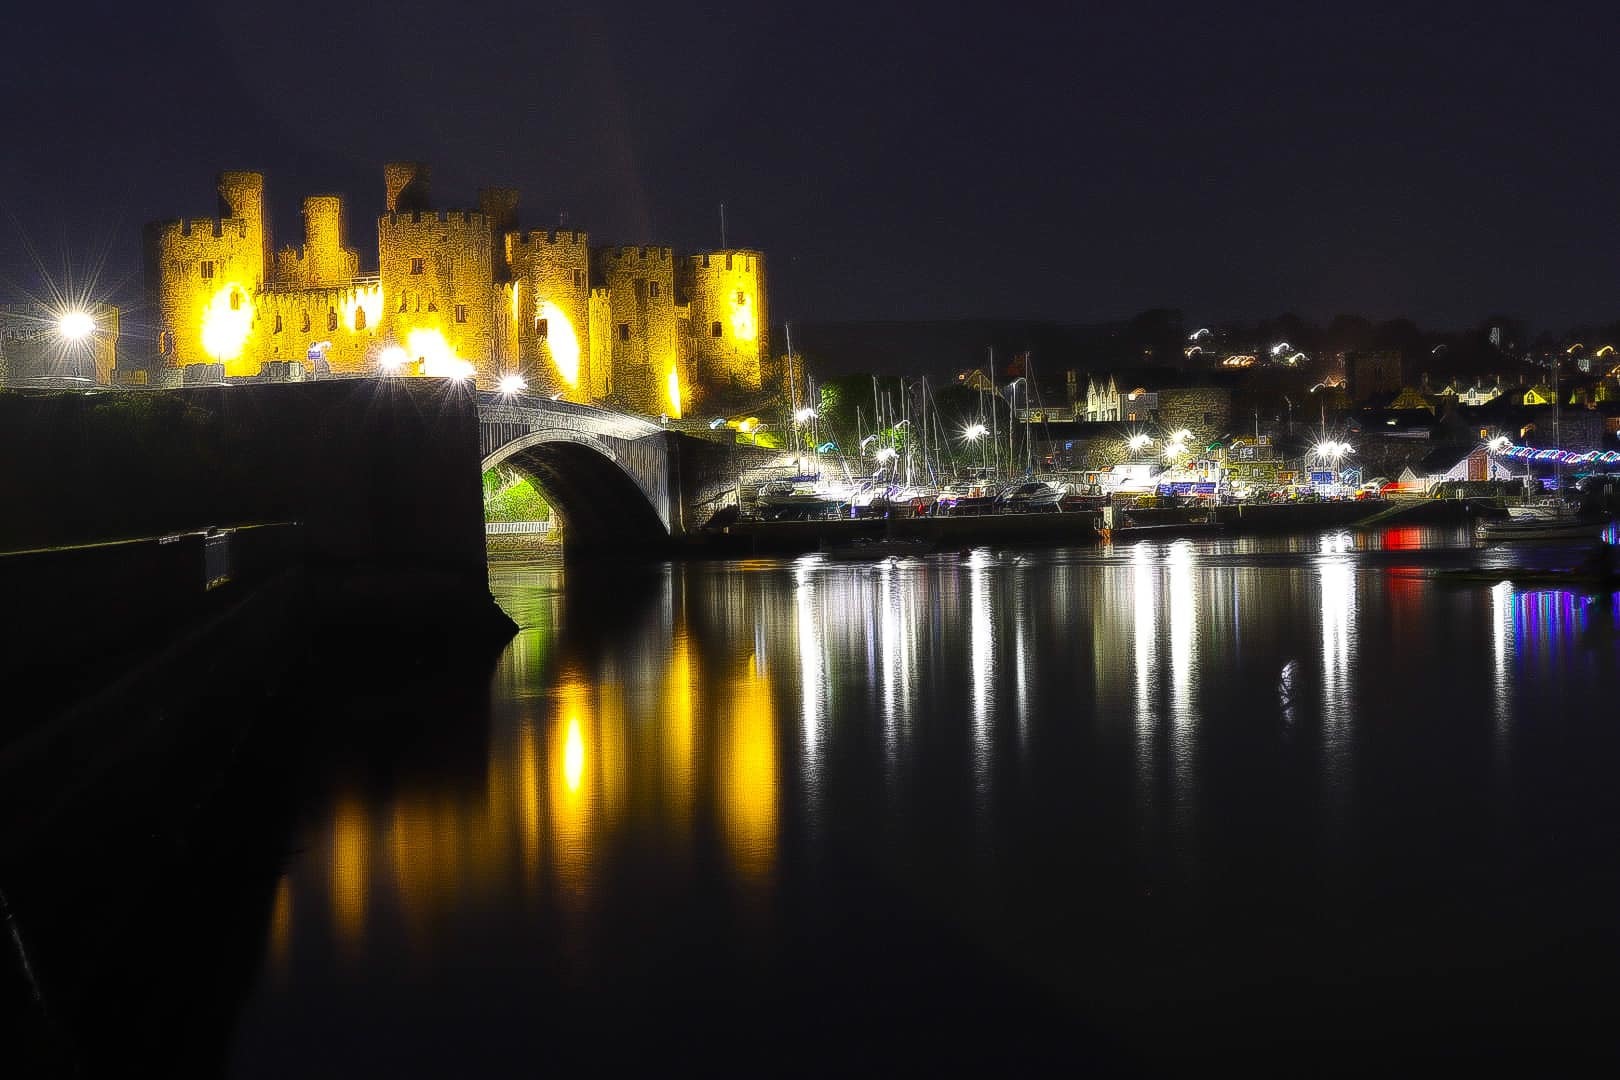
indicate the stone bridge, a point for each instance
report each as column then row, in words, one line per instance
column 618, row 481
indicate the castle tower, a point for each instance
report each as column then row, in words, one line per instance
column 406, row 185
column 324, row 261
column 499, row 205
column 202, row 277
column 640, row 328
column 730, row 328
column 438, row 285
column 552, row 307
column 241, row 198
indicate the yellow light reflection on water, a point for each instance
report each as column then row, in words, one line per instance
column 349, row 871
column 571, row 786
column 573, row 756
column 528, row 766
column 748, row 776
column 679, row 711
column 281, row 923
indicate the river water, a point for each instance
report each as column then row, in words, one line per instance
column 1133, row 805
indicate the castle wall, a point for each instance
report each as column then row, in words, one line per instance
column 291, row 323
column 641, row 327
column 729, row 327
column 439, row 289
column 551, row 272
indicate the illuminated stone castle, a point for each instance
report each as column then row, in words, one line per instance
column 457, row 293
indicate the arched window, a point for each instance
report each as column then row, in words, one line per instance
column 715, row 330
column 541, row 328
column 278, row 322
column 331, row 318
column 402, row 302
column 359, row 318
column 166, row 342
column 306, row 322
column 236, row 300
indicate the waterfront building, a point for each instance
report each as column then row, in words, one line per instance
column 459, row 293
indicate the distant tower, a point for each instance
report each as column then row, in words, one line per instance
column 203, row 277
column 637, row 318
column 730, row 327
column 552, row 306
column 438, row 284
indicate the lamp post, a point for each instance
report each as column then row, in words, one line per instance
column 972, row 434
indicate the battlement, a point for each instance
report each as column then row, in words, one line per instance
column 199, row 228
column 661, row 256
column 731, row 259
column 285, row 298
column 550, row 237
column 435, row 217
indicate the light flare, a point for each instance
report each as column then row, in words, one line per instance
column 225, row 328
column 562, row 341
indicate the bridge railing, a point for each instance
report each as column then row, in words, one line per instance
column 517, row 528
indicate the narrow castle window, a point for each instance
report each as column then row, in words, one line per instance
column 742, row 298
column 579, row 279
column 236, row 300
column 359, row 318
column 278, row 322
column 207, row 268
column 652, row 290
column 714, row 329
column 461, row 313
column 306, row 322
column 331, row 318
column 418, row 266
column 540, row 329
column 624, row 331
column 166, row 342
column 402, row 302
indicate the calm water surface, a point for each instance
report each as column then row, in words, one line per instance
column 1127, row 805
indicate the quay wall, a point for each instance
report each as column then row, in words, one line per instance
column 374, row 471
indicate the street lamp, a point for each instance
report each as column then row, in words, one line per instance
column 512, row 384
column 392, row 360
column 972, row 434
column 75, row 325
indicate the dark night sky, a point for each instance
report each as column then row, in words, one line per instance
column 952, row 160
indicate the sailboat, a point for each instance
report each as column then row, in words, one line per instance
column 1546, row 521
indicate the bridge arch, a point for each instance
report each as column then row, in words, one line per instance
column 603, row 499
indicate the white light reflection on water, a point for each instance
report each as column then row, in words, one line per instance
column 812, row 667
column 981, row 666
column 1183, row 675
column 1501, row 642
column 1338, row 598
column 1146, row 642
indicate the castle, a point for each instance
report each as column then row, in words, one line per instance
column 460, row 293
